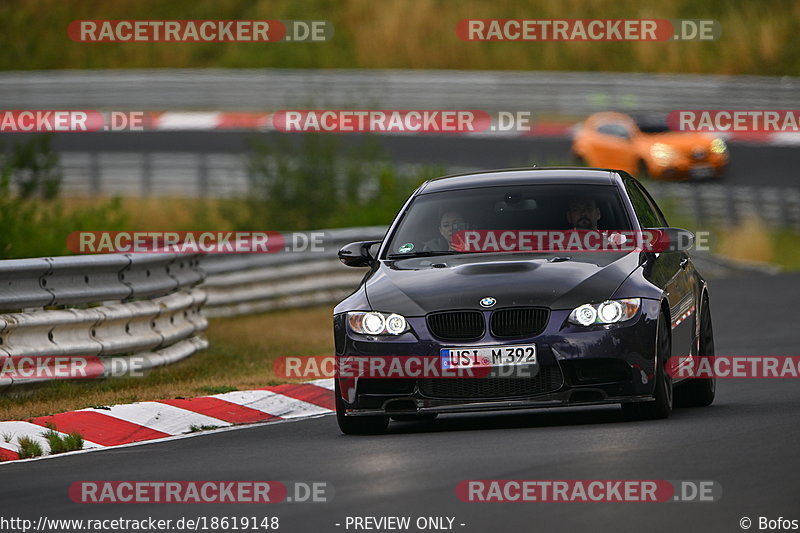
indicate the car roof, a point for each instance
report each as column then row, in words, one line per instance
column 523, row 176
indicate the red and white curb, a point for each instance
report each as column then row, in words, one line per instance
column 219, row 120
column 116, row 425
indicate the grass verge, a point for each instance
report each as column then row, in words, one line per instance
column 240, row 358
column 757, row 37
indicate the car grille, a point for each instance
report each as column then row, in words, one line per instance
column 548, row 379
column 523, row 322
column 457, row 324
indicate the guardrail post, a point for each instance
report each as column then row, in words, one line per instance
column 94, row 173
column 791, row 199
column 147, row 173
column 202, row 175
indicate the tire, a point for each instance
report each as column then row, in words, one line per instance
column 357, row 425
column 661, row 405
column 427, row 417
column 642, row 170
column 700, row 392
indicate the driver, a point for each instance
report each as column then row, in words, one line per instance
column 583, row 214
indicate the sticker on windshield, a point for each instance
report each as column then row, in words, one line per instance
column 407, row 247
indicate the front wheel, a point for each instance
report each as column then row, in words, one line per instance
column 357, row 425
column 661, row 406
column 643, row 170
column 700, row 392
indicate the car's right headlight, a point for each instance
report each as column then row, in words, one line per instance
column 662, row 153
column 608, row 312
column 375, row 323
column 718, row 146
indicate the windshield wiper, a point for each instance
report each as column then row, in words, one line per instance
column 429, row 253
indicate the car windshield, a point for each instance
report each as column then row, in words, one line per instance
column 652, row 123
column 434, row 220
column 614, row 129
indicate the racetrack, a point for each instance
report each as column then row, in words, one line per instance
column 746, row 441
column 750, row 163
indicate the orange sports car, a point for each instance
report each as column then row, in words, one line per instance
column 647, row 147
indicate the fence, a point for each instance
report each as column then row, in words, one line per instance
column 225, row 175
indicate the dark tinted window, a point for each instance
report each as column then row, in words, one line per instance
column 662, row 221
column 646, row 211
column 615, row 130
column 521, row 207
column 652, row 123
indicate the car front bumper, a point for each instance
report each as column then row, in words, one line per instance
column 577, row 366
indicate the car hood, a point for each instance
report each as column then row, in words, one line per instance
column 682, row 141
column 417, row 286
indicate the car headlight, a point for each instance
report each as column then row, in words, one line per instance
column 718, row 146
column 374, row 323
column 608, row 312
column 662, row 153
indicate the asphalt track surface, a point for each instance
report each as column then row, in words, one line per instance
column 746, row 441
column 750, row 163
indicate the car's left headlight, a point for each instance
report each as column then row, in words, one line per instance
column 375, row 323
column 718, row 146
column 608, row 312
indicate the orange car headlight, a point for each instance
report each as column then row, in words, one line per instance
column 662, row 153
column 718, row 146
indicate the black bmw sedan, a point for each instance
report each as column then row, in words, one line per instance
column 515, row 289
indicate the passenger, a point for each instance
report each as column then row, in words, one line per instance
column 449, row 222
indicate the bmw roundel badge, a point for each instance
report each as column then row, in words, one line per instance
column 488, row 301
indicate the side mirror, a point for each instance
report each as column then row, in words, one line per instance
column 670, row 239
column 356, row 254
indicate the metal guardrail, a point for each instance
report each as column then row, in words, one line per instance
column 89, row 279
column 186, row 174
column 272, row 89
column 251, row 283
column 721, row 205
column 109, row 306
column 153, row 306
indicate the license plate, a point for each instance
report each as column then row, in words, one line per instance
column 702, row 171
column 488, row 356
